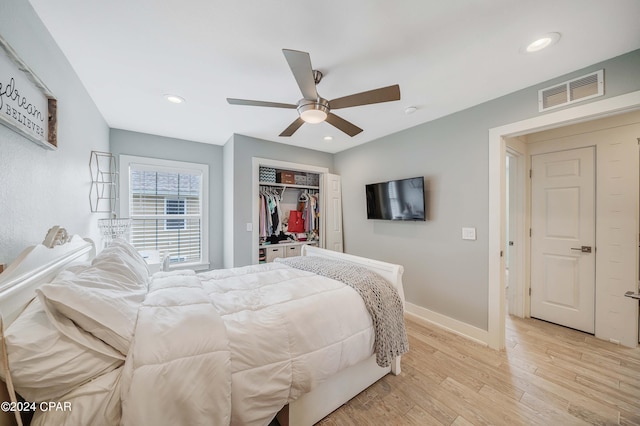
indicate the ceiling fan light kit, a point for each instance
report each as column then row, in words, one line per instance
column 314, row 109
column 313, row 112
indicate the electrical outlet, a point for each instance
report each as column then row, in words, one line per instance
column 468, row 233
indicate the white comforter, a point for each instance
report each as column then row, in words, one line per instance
column 234, row 346
column 177, row 369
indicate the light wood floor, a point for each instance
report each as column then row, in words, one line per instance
column 548, row 375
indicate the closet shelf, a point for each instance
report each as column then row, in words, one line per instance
column 290, row 244
column 288, row 185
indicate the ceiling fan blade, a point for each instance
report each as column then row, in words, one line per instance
column 342, row 124
column 384, row 94
column 233, row 101
column 293, row 127
column 300, row 64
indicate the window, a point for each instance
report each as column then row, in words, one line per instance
column 174, row 206
column 392, row 190
column 166, row 201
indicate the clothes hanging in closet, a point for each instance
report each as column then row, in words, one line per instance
column 310, row 207
column 270, row 213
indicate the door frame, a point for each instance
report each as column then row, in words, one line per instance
column 497, row 187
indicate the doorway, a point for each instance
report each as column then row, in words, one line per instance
column 497, row 204
column 614, row 140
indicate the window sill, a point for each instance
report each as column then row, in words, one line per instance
column 194, row 266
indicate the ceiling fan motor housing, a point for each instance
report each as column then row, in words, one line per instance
column 313, row 111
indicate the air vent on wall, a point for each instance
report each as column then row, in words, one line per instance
column 578, row 89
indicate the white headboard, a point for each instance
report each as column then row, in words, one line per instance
column 35, row 266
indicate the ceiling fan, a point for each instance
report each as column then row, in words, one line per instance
column 314, row 109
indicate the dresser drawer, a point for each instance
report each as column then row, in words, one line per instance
column 274, row 252
column 293, row 250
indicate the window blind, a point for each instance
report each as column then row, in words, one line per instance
column 165, row 208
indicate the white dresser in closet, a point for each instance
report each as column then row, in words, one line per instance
column 274, row 251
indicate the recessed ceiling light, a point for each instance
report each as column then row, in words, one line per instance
column 328, row 138
column 410, row 110
column 542, row 42
column 174, row 99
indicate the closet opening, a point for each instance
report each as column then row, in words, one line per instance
column 287, row 208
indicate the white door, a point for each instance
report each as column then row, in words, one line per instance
column 511, row 232
column 563, row 238
column 333, row 212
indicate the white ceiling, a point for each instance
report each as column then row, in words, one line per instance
column 445, row 55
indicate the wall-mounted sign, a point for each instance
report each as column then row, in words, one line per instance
column 26, row 105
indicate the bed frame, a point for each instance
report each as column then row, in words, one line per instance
column 39, row 264
column 312, row 407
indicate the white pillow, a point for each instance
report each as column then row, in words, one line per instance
column 122, row 258
column 45, row 364
column 101, row 299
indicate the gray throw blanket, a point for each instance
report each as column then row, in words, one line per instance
column 379, row 296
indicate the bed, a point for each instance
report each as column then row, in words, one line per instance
column 233, row 346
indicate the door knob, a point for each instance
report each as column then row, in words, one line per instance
column 583, row 249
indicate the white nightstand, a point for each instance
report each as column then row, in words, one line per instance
column 155, row 260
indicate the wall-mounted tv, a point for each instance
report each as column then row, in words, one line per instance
column 396, row 200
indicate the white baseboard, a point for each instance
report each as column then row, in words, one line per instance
column 460, row 328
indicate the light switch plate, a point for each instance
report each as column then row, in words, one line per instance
column 249, row 226
column 468, row 233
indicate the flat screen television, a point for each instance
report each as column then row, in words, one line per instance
column 396, row 200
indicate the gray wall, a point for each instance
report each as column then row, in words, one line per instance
column 41, row 188
column 145, row 145
column 443, row 273
column 244, row 149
